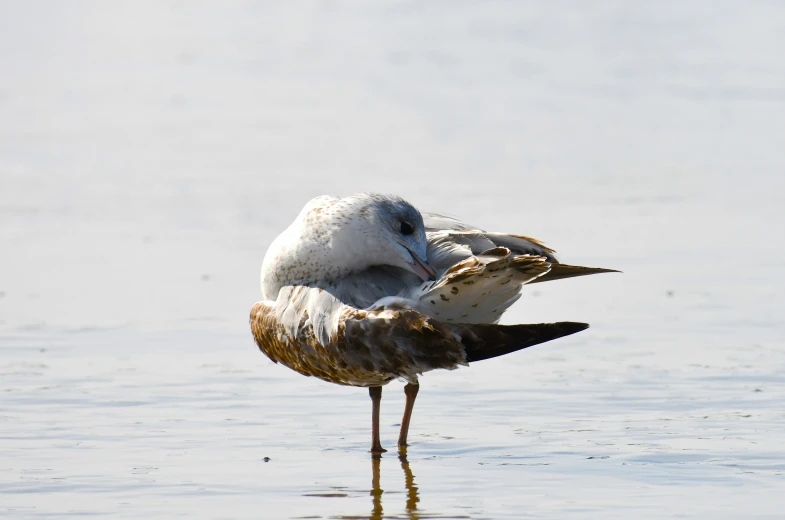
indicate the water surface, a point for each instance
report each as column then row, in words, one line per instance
column 150, row 152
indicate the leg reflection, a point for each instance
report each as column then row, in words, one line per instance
column 411, row 488
column 376, row 491
column 412, row 492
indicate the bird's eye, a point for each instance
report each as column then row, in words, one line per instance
column 406, row 228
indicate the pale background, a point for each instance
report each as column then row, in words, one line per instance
column 150, row 151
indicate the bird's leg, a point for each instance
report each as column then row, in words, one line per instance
column 376, row 398
column 410, row 390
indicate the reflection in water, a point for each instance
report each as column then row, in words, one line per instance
column 377, row 509
column 412, row 496
column 376, row 491
column 411, row 489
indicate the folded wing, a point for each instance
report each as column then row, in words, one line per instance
column 311, row 332
column 481, row 273
column 481, row 287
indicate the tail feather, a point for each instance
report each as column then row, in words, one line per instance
column 490, row 341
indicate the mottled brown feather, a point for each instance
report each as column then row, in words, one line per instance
column 369, row 348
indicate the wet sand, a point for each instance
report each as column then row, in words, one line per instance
column 150, row 153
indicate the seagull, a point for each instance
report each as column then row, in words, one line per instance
column 364, row 289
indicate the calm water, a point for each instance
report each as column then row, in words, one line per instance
column 149, row 153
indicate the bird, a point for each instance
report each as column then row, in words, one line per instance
column 365, row 289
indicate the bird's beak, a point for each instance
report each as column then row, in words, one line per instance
column 422, row 268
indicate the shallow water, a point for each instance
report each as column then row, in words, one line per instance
column 149, row 154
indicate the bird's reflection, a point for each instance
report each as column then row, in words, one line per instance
column 412, row 496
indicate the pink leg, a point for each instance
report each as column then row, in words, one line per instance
column 376, row 399
column 411, row 394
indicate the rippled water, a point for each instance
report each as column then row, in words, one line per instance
column 149, row 153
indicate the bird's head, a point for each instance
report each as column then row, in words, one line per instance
column 395, row 233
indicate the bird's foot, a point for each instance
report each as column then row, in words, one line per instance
column 377, row 450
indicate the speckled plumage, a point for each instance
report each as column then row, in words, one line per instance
column 345, row 298
column 339, row 307
column 363, row 347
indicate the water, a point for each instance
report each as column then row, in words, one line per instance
column 149, row 153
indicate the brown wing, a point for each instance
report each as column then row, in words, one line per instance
column 367, row 348
column 370, row 348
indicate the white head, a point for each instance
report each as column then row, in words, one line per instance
column 333, row 238
column 383, row 230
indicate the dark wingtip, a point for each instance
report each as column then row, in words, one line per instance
column 557, row 330
column 562, row 271
column 498, row 340
column 575, row 326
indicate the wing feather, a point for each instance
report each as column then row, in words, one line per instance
column 350, row 346
column 480, row 288
column 371, row 348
